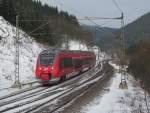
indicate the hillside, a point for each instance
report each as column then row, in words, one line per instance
column 103, row 37
column 138, row 41
column 52, row 24
column 138, row 30
column 139, row 64
column 108, row 38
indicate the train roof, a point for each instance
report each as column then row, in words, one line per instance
column 55, row 51
column 75, row 51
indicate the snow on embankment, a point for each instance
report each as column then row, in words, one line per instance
column 77, row 45
column 74, row 45
column 131, row 100
column 29, row 51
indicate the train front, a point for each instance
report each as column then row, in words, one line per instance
column 44, row 67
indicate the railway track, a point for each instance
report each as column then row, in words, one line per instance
column 33, row 99
column 19, row 92
column 62, row 100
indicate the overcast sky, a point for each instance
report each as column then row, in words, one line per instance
column 103, row 8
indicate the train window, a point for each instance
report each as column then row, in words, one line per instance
column 46, row 59
column 87, row 61
column 66, row 62
column 76, row 63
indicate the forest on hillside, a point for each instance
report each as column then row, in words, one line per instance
column 108, row 38
column 138, row 30
column 54, row 23
column 139, row 64
column 104, row 37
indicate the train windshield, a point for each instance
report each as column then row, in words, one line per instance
column 46, row 59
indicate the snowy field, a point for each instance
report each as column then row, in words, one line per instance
column 131, row 100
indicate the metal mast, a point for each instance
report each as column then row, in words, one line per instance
column 123, row 84
column 17, row 80
column 66, row 42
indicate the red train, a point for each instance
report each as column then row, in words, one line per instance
column 60, row 64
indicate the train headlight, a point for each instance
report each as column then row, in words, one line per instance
column 52, row 67
column 40, row 68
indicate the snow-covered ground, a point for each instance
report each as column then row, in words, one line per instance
column 29, row 50
column 117, row 100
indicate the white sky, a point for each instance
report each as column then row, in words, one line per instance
column 103, row 8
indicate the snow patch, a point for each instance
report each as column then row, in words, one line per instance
column 119, row 101
column 29, row 51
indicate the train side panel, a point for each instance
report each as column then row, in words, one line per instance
column 65, row 63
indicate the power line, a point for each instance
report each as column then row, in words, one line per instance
column 106, row 22
column 116, row 4
column 37, row 34
column 40, row 27
column 95, row 18
column 90, row 19
column 100, row 26
column 36, row 20
column 101, row 18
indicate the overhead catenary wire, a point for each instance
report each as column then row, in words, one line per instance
column 35, row 20
column 39, row 27
column 116, row 4
column 94, row 18
column 36, row 34
column 85, row 18
column 109, row 21
column 91, row 19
